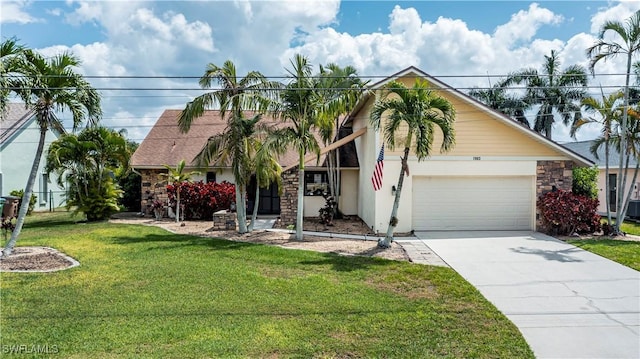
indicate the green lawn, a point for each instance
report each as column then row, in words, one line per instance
column 144, row 292
column 623, row 252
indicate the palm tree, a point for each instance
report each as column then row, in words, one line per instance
column 12, row 66
column 299, row 108
column 86, row 165
column 235, row 95
column 267, row 170
column 498, row 98
column 553, row 90
column 52, row 85
column 338, row 91
column 608, row 112
column 627, row 45
column 419, row 111
column 177, row 176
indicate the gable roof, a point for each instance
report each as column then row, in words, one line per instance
column 166, row 144
column 496, row 115
column 15, row 117
column 583, row 148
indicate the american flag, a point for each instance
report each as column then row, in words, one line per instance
column 376, row 179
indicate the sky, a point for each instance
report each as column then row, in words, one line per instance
column 146, row 56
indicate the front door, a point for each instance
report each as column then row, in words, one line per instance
column 613, row 183
column 268, row 198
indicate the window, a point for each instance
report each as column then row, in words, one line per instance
column 315, row 183
column 211, row 177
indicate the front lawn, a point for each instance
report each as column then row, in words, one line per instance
column 144, row 292
column 623, row 252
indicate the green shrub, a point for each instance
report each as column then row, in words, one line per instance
column 32, row 201
column 585, row 181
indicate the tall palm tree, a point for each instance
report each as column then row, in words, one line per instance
column 338, row 91
column 52, row 85
column 554, row 91
column 12, row 66
column 419, row 111
column 498, row 98
column 177, row 176
column 628, row 45
column 235, row 95
column 606, row 113
column 298, row 107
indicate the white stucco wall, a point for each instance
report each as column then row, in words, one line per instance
column 349, row 192
column 221, row 175
column 16, row 159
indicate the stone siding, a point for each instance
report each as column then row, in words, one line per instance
column 550, row 174
column 553, row 173
column 154, row 187
column 289, row 198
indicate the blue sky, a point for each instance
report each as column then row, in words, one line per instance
column 461, row 40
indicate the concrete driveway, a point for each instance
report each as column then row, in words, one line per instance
column 567, row 302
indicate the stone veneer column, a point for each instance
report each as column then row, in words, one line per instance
column 550, row 174
column 153, row 187
column 289, row 198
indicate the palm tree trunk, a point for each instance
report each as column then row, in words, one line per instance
column 241, row 209
column 606, row 175
column 26, row 197
column 178, row 203
column 622, row 177
column 300, row 214
column 393, row 221
column 337, row 180
column 635, row 176
column 256, row 202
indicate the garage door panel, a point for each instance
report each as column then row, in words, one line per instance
column 472, row 203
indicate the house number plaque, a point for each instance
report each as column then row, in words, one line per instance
column 476, row 158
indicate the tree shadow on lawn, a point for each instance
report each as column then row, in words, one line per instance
column 181, row 240
column 349, row 263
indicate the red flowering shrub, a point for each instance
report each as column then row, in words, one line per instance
column 565, row 213
column 200, row 200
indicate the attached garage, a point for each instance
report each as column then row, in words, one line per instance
column 441, row 203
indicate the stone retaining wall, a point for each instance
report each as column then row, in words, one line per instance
column 226, row 220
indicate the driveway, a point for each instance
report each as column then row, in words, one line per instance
column 567, row 302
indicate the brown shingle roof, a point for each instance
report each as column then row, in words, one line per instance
column 166, row 144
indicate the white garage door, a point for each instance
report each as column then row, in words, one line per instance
column 472, row 203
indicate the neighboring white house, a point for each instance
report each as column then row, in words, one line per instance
column 19, row 136
column 583, row 148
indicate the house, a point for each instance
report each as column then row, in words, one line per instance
column 165, row 144
column 19, row 136
column 584, row 149
column 489, row 181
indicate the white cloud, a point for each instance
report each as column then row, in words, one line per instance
column 524, row 25
column 14, row 12
column 143, row 38
column 623, row 10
